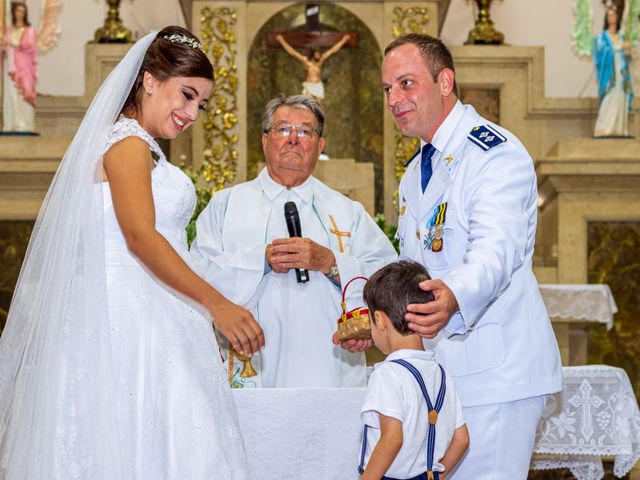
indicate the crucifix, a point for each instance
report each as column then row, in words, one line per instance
column 312, row 39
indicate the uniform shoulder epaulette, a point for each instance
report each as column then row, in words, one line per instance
column 406, row 164
column 486, row 137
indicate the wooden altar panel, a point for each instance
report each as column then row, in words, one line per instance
column 486, row 101
column 614, row 258
column 14, row 237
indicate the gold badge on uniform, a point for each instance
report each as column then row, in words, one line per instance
column 434, row 240
column 438, row 235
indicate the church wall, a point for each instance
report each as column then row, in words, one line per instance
column 544, row 23
column 521, row 21
column 61, row 71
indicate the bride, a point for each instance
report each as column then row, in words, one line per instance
column 108, row 365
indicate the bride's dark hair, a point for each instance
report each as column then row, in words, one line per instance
column 165, row 58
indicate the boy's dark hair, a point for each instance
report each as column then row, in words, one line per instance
column 394, row 287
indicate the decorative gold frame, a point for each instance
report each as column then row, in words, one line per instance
column 409, row 20
column 219, row 166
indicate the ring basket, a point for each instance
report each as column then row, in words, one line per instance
column 353, row 324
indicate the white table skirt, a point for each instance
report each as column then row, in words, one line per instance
column 292, row 433
column 596, row 414
column 316, row 433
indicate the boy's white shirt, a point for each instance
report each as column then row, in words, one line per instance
column 394, row 392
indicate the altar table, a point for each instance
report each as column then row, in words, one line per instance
column 315, row 433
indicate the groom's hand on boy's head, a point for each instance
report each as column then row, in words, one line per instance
column 427, row 319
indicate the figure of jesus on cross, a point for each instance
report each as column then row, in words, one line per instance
column 313, row 86
column 312, row 39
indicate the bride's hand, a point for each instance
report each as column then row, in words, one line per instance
column 238, row 326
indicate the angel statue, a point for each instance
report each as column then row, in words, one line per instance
column 611, row 50
column 19, row 47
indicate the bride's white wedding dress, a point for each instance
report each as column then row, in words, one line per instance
column 176, row 417
column 105, row 373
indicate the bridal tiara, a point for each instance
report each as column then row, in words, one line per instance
column 184, row 40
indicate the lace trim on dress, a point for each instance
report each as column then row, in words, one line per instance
column 129, row 127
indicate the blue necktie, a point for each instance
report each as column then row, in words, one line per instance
column 425, row 164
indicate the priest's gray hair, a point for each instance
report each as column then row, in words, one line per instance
column 295, row 101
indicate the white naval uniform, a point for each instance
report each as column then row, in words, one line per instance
column 298, row 319
column 502, row 348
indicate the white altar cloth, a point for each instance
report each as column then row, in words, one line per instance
column 590, row 303
column 315, row 433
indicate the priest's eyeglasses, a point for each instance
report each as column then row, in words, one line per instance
column 303, row 132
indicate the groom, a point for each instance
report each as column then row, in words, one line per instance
column 468, row 205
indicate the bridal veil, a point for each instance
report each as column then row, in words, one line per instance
column 57, row 406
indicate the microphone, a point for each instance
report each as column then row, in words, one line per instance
column 292, row 218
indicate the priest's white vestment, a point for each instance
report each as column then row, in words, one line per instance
column 298, row 320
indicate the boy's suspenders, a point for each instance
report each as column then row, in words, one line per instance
column 434, row 410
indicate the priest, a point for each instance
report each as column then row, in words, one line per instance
column 293, row 285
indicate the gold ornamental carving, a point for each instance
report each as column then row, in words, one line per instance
column 409, row 20
column 406, row 20
column 219, row 166
column 113, row 31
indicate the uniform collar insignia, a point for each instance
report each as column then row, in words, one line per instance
column 486, row 137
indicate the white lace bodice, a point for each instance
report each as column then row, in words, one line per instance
column 173, row 195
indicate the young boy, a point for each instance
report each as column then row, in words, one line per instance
column 407, row 436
